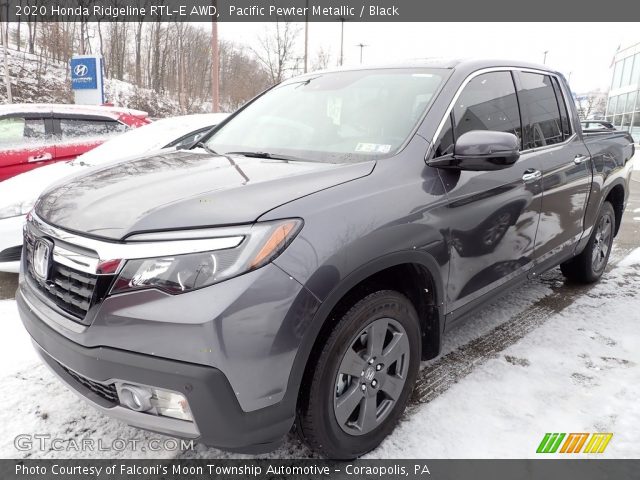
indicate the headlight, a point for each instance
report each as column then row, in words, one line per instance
column 261, row 243
column 17, row 209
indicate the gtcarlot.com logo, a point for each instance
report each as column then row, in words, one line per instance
column 574, row 443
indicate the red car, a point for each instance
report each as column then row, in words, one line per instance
column 33, row 135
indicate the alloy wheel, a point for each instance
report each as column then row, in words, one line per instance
column 371, row 376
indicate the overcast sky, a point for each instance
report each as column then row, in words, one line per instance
column 584, row 50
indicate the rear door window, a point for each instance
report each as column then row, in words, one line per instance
column 540, row 111
column 74, row 128
column 20, row 131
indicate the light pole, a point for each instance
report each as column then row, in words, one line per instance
column 306, row 37
column 215, row 63
column 342, row 20
column 361, row 45
column 544, row 60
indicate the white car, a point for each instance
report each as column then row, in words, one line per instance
column 19, row 193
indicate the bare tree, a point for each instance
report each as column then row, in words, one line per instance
column 322, row 60
column 5, row 45
column 591, row 104
column 276, row 50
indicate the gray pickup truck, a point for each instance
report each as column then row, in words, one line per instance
column 293, row 269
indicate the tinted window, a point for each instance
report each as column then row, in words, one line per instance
column 564, row 112
column 627, row 68
column 19, row 131
column 81, row 127
column 543, row 125
column 444, row 143
column 488, row 102
column 617, row 75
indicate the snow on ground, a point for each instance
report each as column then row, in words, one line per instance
column 578, row 372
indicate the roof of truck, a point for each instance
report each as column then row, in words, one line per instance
column 469, row 64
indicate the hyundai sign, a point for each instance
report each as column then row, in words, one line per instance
column 86, row 79
column 83, row 73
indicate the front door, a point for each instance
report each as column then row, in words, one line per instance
column 493, row 215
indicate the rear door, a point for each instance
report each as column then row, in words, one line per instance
column 26, row 142
column 549, row 136
column 78, row 134
column 493, row 214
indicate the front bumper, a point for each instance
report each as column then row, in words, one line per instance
column 219, row 419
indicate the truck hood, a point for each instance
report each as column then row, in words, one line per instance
column 184, row 189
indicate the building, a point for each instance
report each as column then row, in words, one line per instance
column 623, row 105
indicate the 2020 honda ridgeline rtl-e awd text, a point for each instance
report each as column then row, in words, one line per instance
column 291, row 270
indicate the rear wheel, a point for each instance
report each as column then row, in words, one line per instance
column 589, row 266
column 362, row 377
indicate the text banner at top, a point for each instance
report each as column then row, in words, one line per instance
column 314, row 11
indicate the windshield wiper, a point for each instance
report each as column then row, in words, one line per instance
column 207, row 148
column 268, row 155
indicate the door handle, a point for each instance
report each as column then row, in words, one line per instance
column 531, row 175
column 40, row 158
column 580, row 158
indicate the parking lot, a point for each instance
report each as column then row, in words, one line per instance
column 543, row 358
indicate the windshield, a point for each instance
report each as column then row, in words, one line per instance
column 333, row 117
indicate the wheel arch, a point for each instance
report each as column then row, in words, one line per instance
column 404, row 267
column 616, row 195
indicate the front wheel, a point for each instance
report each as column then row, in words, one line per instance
column 589, row 266
column 362, row 378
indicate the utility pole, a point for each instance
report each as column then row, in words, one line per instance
column 361, row 45
column 306, row 37
column 544, row 60
column 215, row 63
column 7, row 75
column 342, row 20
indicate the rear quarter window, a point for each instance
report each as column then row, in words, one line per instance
column 74, row 128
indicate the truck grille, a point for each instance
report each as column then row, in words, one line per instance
column 106, row 391
column 71, row 290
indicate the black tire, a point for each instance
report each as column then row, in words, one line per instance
column 320, row 403
column 589, row 266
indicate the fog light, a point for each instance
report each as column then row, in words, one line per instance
column 155, row 401
column 135, row 397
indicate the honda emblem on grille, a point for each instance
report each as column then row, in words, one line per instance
column 41, row 260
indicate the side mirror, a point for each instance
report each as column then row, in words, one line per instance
column 482, row 150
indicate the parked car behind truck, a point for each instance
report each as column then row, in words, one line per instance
column 34, row 135
column 298, row 271
column 19, row 193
